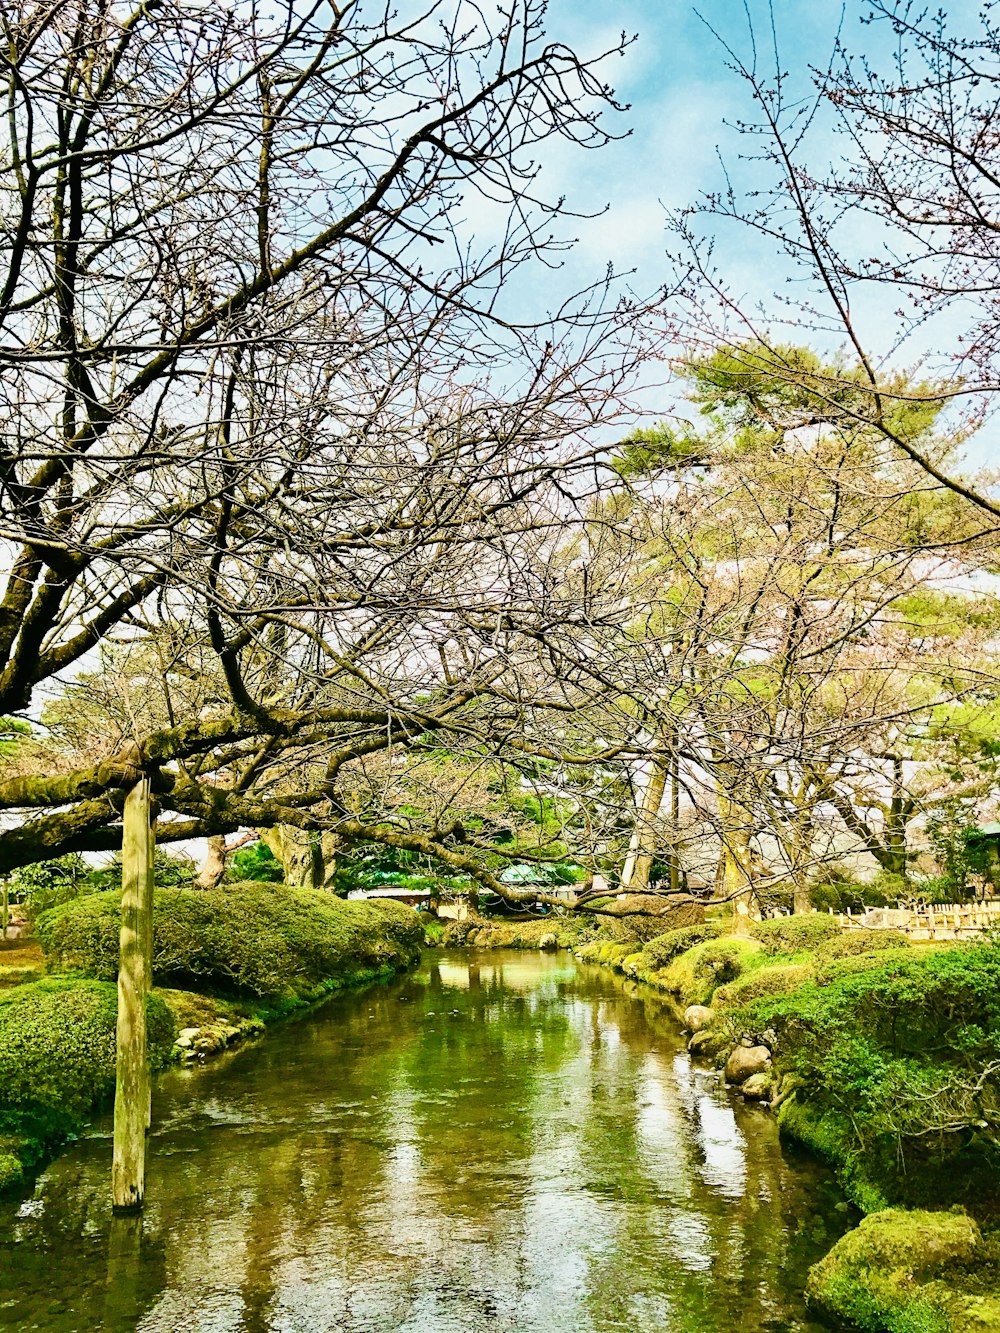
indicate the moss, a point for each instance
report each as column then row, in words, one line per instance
column 902, row 1272
column 57, row 1058
column 882, row 1050
column 266, row 940
column 605, row 952
column 793, row 934
column 694, row 975
column 781, row 979
column 665, row 948
column 495, row 933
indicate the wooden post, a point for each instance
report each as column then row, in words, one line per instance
column 132, row 1090
column 4, row 911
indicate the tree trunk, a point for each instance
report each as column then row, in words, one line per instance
column 676, row 870
column 642, row 845
column 132, row 1083
column 211, row 873
column 733, row 878
column 298, row 853
column 329, row 845
column 4, row 911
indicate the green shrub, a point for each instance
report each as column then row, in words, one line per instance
column 254, row 939
column 861, row 939
column 779, row 980
column 695, row 974
column 795, row 934
column 665, row 948
column 888, row 1050
column 834, row 969
column 11, row 1171
column 495, row 933
column 57, row 1056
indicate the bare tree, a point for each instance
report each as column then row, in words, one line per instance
column 898, row 232
column 260, row 384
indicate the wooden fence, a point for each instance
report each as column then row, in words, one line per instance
column 931, row 921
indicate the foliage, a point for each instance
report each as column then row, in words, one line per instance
column 567, row 932
column 898, row 1065
column 793, row 934
column 254, row 939
column 57, row 1056
column 862, row 940
column 169, row 870
column 662, row 949
column 48, row 883
column 781, row 979
column 693, row 976
column 254, row 862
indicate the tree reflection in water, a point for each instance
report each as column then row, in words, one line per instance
column 499, row 1142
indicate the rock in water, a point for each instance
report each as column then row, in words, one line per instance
column 746, row 1061
column 757, row 1088
column 698, row 1016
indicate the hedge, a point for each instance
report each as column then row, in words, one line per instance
column 796, row 934
column 256, row 939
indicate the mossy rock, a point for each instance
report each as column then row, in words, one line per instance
column 796, row 934
column 885, row 1275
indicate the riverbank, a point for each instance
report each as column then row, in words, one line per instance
column 226, row 963
column 881, row 1057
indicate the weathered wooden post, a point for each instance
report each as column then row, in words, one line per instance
column 132, row 1085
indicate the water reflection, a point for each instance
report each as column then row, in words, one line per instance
column 500, row 1142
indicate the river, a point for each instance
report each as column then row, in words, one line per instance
column 497, row 1142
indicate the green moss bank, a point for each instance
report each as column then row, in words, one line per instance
column 57, row 1063
column 226, row 962
column 285, row 946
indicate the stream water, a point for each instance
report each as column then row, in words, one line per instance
column 500, row 1141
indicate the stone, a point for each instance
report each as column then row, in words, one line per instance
column 746, row 1061
column 757, row 1088
column 190, row 1033
column 703, row 1043
column 698, row 1016
column 184, row 1042
column 548, row 942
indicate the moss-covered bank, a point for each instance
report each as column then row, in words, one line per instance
column 225, row 963
column 881, row 1056
column 57, row 1063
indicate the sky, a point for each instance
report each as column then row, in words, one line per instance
column 684, row 101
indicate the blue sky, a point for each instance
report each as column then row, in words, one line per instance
column 682, row 95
